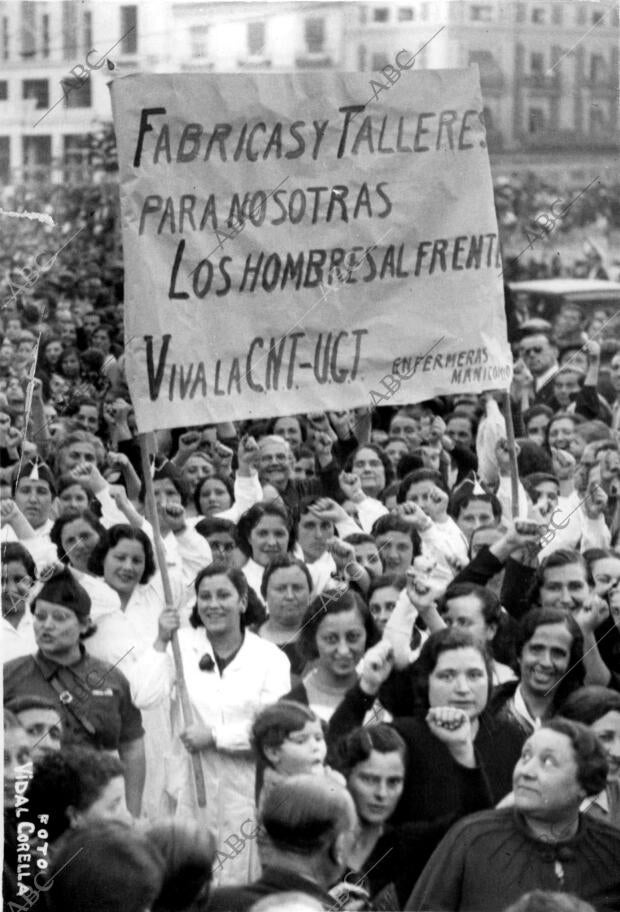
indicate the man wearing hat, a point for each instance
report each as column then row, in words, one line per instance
column 92, row 697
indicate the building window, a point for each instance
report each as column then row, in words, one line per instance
column 381, row 14
column 538, row 16
column 598, row 122
column 314, row 30
column 69, row 30
column 405, row 14
column 556, row 14
column 256, row 39
column 581, row 15
column 520, row 12
column 37, row 156
column 39, row 89
column 481, row 13
column 45, row 35
column 76, row 156
column 129, row 29
column 5, row 37
column 28, row 9
column 598, row 68
column 537, row 64
column 597, row 17
column 87, row 30
column 4, row 90
column 76, row 96
column 361, row 58
column 5, row 159
column 379, row 61
column 363, row 15
column 199, row 38
column 535, row 120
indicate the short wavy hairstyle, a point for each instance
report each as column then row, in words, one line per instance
column 589, row 704
column 441, row 641
column 561, row 557
column 14, row 551
column 236, row 577
column 69, row 517
column 112, row 537
column 333, row 601
column 592, row 766
column 253, row 516
column 357, row 746
column 74, row 777
column 283, row 562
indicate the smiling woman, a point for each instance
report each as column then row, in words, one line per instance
column 265, row 531
column 230, row 673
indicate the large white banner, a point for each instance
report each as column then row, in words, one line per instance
column 306, row 241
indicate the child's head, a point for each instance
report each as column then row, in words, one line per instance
column 289, row 738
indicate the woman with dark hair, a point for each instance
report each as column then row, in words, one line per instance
column 106, row 867
column 50, row 353
column 536, row 420
column 264, row 531
column 124, row 560
column 562, row 581
column 69, row 365
column 599, row 709
column 76, row 534
column 604, row 568
column 76, row 785
column 217, row 495
column 335, row 632
column 286, row 588
column 230, row 674
column 543, row 842
column 459, row 756
column 382, row 860
column 374, row 470
column 560, row 433
column 19, row 573
column 549, row 649
column 187, row 851
column 71, row 494
column 478, row 610
column 213, row 495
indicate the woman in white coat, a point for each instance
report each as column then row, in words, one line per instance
column 231, row 674
column 124, row 560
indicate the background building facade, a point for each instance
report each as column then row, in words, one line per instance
column 548, row 68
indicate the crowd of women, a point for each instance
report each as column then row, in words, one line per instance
column 395, row 694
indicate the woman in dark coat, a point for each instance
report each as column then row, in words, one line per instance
column 460, row 758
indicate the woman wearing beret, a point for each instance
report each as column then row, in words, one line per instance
column 92, row 696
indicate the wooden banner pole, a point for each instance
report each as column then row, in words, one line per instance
column 512, row 452
column 160, row 553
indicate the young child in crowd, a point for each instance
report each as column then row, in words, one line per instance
column 288, row 739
